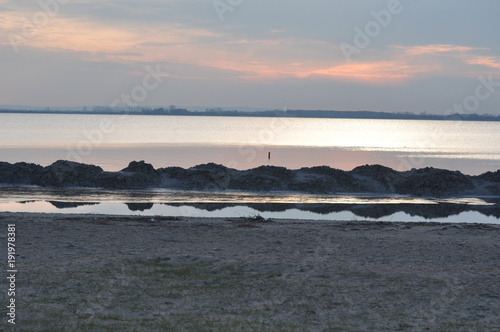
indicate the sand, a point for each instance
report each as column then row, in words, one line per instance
column 116, row 273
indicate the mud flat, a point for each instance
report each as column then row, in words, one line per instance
column 98, row 273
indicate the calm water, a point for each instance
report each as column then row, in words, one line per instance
column 163, row 202
column 111, row 141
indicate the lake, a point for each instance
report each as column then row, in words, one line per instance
column 112, row 141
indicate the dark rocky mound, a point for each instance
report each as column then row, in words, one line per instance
column 140, row 167
column 202, row 177
column 136, row 176
column 433, row 182
column 126, row 180
column 324, row 179
column 20, row 173
column 263, row 178
column 321, row 179
column 490, row 176
column 64, row 173
column 490, row 182
column 377, row 176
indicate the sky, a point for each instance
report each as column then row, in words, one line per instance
column 434, row 56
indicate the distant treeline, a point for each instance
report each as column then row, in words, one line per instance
column 172, row 110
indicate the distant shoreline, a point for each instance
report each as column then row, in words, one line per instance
column 315, row 114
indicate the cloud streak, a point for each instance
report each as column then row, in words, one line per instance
column 244, row 49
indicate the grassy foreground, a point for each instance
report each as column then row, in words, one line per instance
column 125, row 274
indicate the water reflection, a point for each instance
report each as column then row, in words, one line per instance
column 439, row 212
column 69, row 205
column 139, row 206
column 89, row 195
column 236, row 204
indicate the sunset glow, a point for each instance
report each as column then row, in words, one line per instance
column 119, row 40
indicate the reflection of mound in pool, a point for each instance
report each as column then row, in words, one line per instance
column 139, row 206
column 426, row 211
column 68, row 205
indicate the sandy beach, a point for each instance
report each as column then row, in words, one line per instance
column 106, row 273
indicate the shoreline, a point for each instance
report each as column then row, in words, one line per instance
column 91, row 272
column 266, row 113
column 250, row 220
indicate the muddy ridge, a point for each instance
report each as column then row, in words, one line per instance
column 321, row 179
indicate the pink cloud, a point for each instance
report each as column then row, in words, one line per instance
column 369, row 71
column 435, row 49
column 262, row 60
column 487, row 61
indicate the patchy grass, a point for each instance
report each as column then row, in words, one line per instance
column 196, row 295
